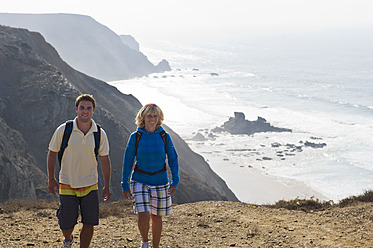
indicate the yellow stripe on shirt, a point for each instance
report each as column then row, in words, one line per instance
column 79, row 192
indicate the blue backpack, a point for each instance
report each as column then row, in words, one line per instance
column 66, row 137
column 164, row 138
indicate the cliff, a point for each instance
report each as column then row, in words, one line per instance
column 37, row 92
column 130, row 41
column 87, row 45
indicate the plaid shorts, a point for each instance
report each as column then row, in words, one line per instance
column 153, row 199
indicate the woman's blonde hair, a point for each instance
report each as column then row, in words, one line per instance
column 146, row 110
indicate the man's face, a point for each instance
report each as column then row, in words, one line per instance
column 85, row 111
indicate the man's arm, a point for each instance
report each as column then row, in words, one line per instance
column 106, row 172
column 51, row 164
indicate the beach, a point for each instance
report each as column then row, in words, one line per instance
column 251, row 185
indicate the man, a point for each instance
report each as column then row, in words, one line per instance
column 78, row 176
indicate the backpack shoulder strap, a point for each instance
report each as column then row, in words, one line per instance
column 138, row 136
column 97, row 136
column 164, row 137
column 162, row 133
column 65, row 139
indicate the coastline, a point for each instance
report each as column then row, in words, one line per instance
column 251, row 185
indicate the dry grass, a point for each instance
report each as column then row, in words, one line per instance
column 116, row 208
column 106, row 209
column 315, row 204
column 21, row 205
column 366, row 197
column 305, row 205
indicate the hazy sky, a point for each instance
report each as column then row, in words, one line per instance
column 147, row 18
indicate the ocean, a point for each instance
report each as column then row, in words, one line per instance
column 319, row 84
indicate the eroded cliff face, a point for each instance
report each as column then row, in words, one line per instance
column 87, row 45
column 37, row 93
column 19, row 175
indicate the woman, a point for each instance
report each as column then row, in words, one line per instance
column 149, row 187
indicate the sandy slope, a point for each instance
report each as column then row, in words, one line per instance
column 203, row 224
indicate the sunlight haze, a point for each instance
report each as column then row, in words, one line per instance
column 170, row 18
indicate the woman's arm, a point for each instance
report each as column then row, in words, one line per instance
column 128, row 160
column 173, row 162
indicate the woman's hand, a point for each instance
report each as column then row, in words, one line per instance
column 171, row 190
column 127, row 194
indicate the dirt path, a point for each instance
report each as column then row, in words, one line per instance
column 203, row 224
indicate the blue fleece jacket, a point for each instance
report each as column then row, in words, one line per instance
column 151, row 157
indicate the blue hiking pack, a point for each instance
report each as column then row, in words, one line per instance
column 164, row 138
column 66, row 137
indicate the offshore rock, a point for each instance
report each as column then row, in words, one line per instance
column 239, row 125
column 199, row 137
column 163, row 66
column 314, row 145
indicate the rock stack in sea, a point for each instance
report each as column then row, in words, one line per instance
column 239, row 125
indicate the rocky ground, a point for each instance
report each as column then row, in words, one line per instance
column 201, row 224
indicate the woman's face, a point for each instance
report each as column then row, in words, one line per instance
column 151, row 121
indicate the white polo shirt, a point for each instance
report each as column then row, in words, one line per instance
column 79, row 165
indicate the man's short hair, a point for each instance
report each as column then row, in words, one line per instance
column 85, row 97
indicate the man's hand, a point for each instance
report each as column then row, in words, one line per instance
column 106, row 193
column 52, row 186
